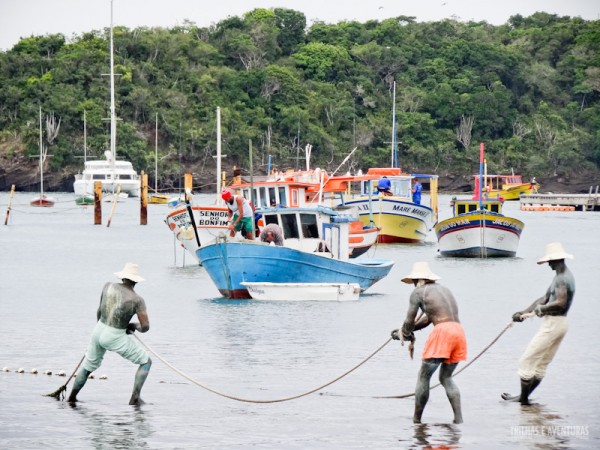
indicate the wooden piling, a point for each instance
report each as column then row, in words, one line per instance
column 12, row 193
column 97, row 203
column 114, row 205
column 144, row 198
column 187, row 183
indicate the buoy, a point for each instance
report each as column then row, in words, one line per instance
column 5, row 369
column 47, row 372
column 103, row 377
column 62, row 373
column 34, row 371
column 21, row 370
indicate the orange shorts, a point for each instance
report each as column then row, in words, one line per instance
column 447, row 340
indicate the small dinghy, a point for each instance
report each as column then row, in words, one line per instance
column 340, row 292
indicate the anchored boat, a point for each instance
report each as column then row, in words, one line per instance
column 312, row 257
column 478, row 229
column 401, row 219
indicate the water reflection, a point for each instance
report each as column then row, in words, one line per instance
column 434, row 436
column 541, row 428
column 121, row 428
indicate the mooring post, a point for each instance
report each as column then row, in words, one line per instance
column 144, row 199
column 97, row 203
column 114, row 205
column 12, row 192
column 187, row 183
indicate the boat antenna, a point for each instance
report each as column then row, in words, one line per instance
column 219, row 176
column 394, row 143
column 41, row 160
column 480, row 173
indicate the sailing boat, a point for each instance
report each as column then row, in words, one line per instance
column 110, row 172
column 85, row 199
column 156, row 198
column 42, row 199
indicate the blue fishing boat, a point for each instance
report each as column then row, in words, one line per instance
column 309, row 257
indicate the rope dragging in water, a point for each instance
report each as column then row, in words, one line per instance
column 60, row 392
column 261, row 401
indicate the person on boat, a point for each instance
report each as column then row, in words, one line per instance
column 553, row 306
column 384, row 185
column 239, row 222
column 417, row 188
column 272, row 234
column 118, row 304
column 445, row 346
column 533, row 185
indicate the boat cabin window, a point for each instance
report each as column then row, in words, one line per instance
column 401, row 187
column 98, row 176
column 270, row 218
column 272, row 197
column 282, row 196
column 462, row 208
column 261, row 199
column 290, row 226
column 295, row 197
column 309, row 225
column 494, row 207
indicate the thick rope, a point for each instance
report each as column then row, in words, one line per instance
column 261, row 401
column 508, row 325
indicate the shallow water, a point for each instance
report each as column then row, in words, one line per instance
column 54, row 262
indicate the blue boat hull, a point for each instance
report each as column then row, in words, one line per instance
column 231, row 263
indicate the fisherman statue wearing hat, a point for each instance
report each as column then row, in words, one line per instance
column 445, row 346
column 553, row 306
column 240, row 214
column 118, row 304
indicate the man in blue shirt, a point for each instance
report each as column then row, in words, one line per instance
column 384, row 185
column 416, row 191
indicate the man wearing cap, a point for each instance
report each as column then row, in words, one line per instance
column 553, row 306
column 240, row 222
column 446, row 344
column 118, row 304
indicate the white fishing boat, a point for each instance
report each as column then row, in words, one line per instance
column 110, row 172
column 337, row 292
column 478, row 229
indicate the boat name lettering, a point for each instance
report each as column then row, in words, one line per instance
column 456, row 223
column 411, row 210
column 506, row 223
column 218, row 218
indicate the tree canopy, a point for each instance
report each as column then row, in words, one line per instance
column 529, row 89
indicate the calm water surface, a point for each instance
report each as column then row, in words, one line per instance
column 54, row 262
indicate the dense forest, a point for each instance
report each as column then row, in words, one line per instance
column 528, row 89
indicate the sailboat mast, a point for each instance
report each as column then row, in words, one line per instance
column 41, row 160
column 394, row 127
column 156, row 154
column 113, row 117
column 84, row 139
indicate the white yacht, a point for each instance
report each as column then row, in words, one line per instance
column 111, row 174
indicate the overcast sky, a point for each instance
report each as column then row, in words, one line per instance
column 23, row 18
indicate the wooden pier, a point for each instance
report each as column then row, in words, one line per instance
column 562, row 202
